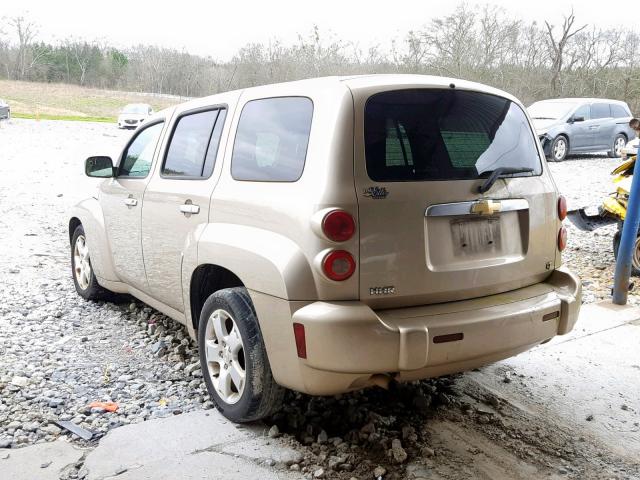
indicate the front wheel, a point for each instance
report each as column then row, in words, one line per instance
column 618, row 144
column 234, row 360
column 635, row 259
column 559, row 149
column 84, row 279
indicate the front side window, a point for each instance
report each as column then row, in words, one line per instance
column 138, row 157
column 271, row 139
column 194, row 145
column 600, row 110
column 433, row 134
column 583, row 112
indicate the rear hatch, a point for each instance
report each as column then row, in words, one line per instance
column 427, row 235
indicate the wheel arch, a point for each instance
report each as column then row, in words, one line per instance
column 205, row 280
column 88, row 213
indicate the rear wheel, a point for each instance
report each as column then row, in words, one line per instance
column 84, row 279
column 234, row 360
column 559, row 149
column 635, row 259
column 618, row 144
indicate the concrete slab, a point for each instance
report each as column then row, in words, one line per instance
column 43, row 461
column 590, row 380
column 202, row 466
column 189, row 446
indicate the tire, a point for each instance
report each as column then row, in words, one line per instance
column 84, row 279
column 616, row 147
column 635, row 262
column 253, row 394
column 559, row 149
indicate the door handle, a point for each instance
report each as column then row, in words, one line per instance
column 190, row 208
column 131, row 202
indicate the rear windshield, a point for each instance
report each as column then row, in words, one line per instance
column 413, row 135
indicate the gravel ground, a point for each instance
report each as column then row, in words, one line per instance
column 585, row 181
column 60, row 353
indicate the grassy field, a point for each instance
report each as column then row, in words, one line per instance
column 56, row 101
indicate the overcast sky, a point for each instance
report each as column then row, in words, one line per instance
column 210, row 27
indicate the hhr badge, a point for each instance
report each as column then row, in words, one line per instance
column 382, row 290
column 377, row 193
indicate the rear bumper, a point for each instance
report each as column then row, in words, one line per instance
column 347, row 342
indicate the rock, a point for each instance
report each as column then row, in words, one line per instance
column 295, row 467
column 5, row 442
column 46, row 464
column 397, row 453
column 427, row 452
column 159, row 348
column 274, row 431
column 589, row 417
column 20, row 381
column 319, row 473
column 379, row 472
column 51, row 429
column 322, row 437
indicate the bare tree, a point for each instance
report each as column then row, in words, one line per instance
column 558, row 46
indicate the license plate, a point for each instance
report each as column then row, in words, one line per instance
column 476, row 235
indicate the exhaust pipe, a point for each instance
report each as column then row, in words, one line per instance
column 380, row 380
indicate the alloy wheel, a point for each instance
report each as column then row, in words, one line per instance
column 559, row 149
column 618, row 146
column 81, row 263
column 224, row 352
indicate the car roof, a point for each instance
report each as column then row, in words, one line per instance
column 577, row 100
column 355, row 83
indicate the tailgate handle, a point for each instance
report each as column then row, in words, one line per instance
column 478, row 207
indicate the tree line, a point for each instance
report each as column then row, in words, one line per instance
column 559, row 58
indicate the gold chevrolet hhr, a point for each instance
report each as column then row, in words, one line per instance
column 336, row 233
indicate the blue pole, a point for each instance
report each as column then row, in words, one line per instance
column 628, row 240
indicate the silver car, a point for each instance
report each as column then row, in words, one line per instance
column 134, row 114
column 5, row 110
column 581, row 125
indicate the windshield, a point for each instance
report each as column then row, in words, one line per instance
column 142, row 109
column 448, row 134
column 549, row 110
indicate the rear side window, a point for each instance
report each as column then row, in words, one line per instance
column 430, row 134
column 271, row 140
column 137, row 159
column 600, row 110
column 194, row 144
column 618, row 111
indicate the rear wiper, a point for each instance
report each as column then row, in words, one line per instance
column 499, row 172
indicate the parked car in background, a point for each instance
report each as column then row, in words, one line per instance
column 134, row 114
column 5, row 110
column 581, row 125
column 332, row 234
column 631, row 148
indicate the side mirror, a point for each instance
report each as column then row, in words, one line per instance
column 577, row 119
column 99, row 167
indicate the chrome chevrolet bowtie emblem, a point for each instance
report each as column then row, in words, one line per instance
column 485, row 207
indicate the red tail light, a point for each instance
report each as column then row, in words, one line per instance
column 562, row 208
column 301, row 341
column 562, row 238
column 338, row 265
column 338, row 226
